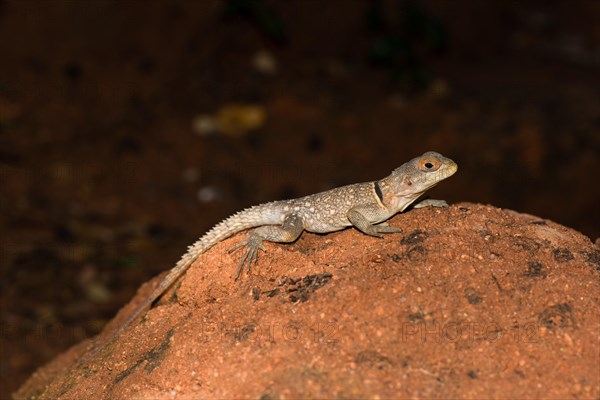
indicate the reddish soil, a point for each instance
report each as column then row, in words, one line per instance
column 105, row 180
column 470, row 301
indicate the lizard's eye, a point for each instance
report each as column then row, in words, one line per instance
column 429, row 164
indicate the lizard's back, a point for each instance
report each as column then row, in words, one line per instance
column 327, row 211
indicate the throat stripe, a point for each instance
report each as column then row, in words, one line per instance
column 378, row 191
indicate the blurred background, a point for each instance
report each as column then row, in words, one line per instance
column 128, row 129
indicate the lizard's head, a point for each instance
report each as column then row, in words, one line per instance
column 412, row 179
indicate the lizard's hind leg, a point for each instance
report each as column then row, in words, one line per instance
column 287, row 232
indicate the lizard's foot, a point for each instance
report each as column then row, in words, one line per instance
column 431, row 203
column 254, row 243
column 384, row 227
column 380, row 229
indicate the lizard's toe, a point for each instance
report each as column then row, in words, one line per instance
column 387, row 229
column 237, row 246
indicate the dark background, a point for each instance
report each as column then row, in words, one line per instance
column 106, row 176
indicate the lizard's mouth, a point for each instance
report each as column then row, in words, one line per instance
column 451, row 168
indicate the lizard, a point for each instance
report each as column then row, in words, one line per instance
column 366, row 206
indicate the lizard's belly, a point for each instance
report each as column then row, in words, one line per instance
column 325, row 228
column 325, row 224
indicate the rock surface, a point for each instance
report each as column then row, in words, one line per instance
column 470, row 301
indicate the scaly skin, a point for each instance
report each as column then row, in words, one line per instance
column 362, row 205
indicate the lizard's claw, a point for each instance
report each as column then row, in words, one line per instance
column 250, row 256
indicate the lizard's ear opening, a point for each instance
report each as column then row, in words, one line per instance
column 429, row 164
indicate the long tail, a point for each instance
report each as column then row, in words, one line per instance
column 264, row 214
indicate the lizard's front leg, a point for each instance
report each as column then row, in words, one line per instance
column 430, row 203
column 287, row 232
column 361, row 218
